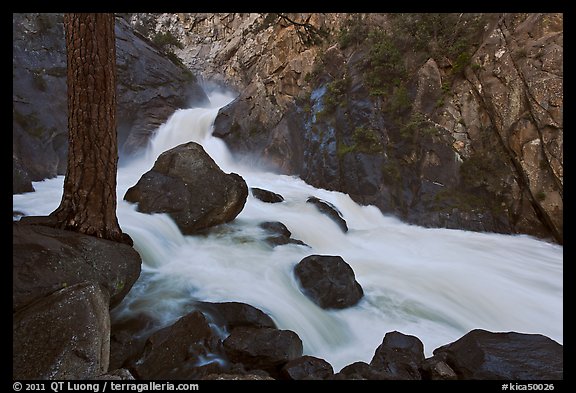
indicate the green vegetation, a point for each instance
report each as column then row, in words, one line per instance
column 353, row 32
column 166, row 39
column 365, row 140
column 540, row 196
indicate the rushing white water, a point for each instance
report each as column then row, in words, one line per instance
column 436, row 284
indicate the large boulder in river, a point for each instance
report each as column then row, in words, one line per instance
column 481, row 354
column 46, row 259
column 65, row 335
column 328, row 281
column 186, row 183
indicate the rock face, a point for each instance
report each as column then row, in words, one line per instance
column 65, row 335
column 188, row 185
column 328, row 281
column 466, row 134
column 510, row 356
column 46, row 259
column 263, row 348
column 150, row 87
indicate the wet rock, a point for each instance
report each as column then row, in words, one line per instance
column 189, row 186
column 117, row 375
column 128, row 337
column 266, row 196
column 235, row 314
column 481, row 354
column 361, row 371
column 179, row 351
column 435, row 368
column 21, row 182
column 65, row 335
column 281, row 234
column 307, row 368
column 46, row 259
column 399, row 355
column 330, row 210
column 328, row 281
column 263, row 348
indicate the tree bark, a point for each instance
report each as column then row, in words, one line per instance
column 89, row 200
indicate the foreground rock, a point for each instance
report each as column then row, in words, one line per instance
column 188, row 185
column 329, row 210
column 263, row 348
column 65, row 335
column 481, row 354
column 179, row 351
column 399, row 356
column 328, row 281
column 307, row 368
column 45, row 259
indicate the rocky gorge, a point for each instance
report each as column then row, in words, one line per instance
column 456, row 124
column 434, row 145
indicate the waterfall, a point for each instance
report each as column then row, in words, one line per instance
column 436, row 284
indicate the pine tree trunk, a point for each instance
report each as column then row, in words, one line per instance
column 89, row 201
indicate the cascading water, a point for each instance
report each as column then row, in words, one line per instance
column 436, row 284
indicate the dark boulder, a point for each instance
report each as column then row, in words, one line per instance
column 328, row 281
column 266, row 196
column 117, row 375
column 435, row 368
column 280, row 235
column 361, row 371
column 263, row 348
column 127, row 338
column 234, row 314
column 399, row 355
column 307, row 368
column 481, row 354
column 46, row 259
column 21, row 182
column 64, row 335
column 330, row 210
column 186, row 183
column 179, row 351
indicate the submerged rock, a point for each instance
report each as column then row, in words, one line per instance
column 280, row 234
column 481, row 354
column 186, row 183
column 266, row 196
column 328, row 281
column 330, row 210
